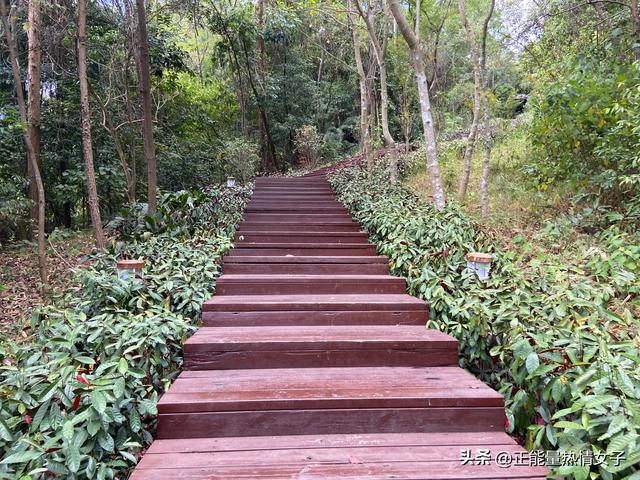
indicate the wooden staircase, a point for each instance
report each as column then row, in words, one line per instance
column 313, row 362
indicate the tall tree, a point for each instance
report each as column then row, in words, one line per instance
column 365, row 124
column 264, row 150
column 144, row 84
column 381, row 54
column 30, row 117
column 85, row 113
column 477, row 87
column 484, row 184
column 418, row 62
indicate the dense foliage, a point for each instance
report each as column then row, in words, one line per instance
column 79, row 400
column 550, row 337
column 586, row 106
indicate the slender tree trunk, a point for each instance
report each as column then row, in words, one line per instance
column 484, row 184
column 30, row 117
column 417, row 54
column 34, row 100
column 144, row 83
column 477, row 87
column 365, row 134
column 266, row 163
column 33, row 115
column 380, row 53
column 85, row 113
column 131, row 53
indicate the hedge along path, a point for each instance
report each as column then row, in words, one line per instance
column 313, row 362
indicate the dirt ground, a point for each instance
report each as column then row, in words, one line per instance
column 20, row 287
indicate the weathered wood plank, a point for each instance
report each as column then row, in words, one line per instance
column 319, row 346
column 229, row 284
column 330, row 421
column 326, row 317
column 359, row 302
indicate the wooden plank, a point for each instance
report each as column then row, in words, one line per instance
column 273, row 226
column 293, row 209
column 303, row 269
column 229, row 284
column 245, row 443
column 300, row 218
column 316, row 456
column 326, row 317
column 414, row 471
column 302, row 249
column 326, row 388
column 308, row 259
column 359, row 337
column 329, row 421
column 318, row 346
column 300, row 237
column 361, row 302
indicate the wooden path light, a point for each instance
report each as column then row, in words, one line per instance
column 130, row 270
column 480, row 263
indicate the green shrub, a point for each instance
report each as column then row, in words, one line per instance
column 541, row 333
column 240, row 158
column 79, row 400
column 586, row 128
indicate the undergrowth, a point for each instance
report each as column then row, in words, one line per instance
column 79, row 400
column 545, row 334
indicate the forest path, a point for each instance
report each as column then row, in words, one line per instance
column 313, row 362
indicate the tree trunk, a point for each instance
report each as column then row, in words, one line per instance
column 365, row 137
column 30, row 117
column 477, row 87
column 131, row 53
column 33, row 102
column 266, row 163
column 380, row 52
column 85, row 112
column 144, row 83
column 417, row 54
column 484, row 185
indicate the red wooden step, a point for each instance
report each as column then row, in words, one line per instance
column 230, row 284
column 320, row 227
column 288, row 180
column 376, row 456
column 290, row 303
column 304, row 197
column 300, row 204
column 308, row 259
column 297, row 190
column 300, row 237
column 302, row 249
column 318, row 346
column 326, row 317
column 307, row 268
column 293, row 401
column 269, row 209
column 299, row 218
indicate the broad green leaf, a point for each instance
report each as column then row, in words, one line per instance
column 532, row 362
column 98, row 401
